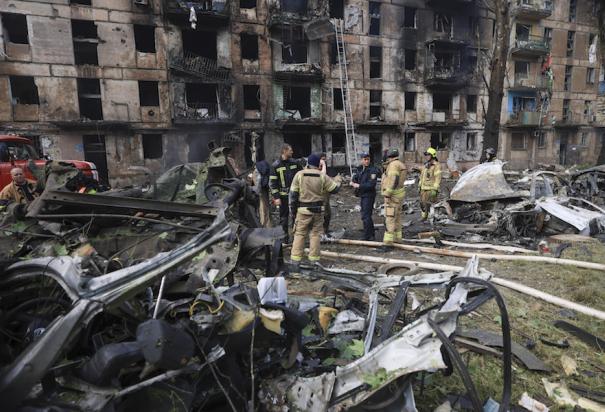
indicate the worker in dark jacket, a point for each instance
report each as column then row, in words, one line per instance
column 364, row 181
column 282, row 173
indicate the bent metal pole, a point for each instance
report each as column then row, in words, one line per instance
column 518, row 287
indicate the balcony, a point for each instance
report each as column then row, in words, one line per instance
column 533, row 9
column 532, row 46
column 444, row 118
column 524, row 118
column 196, row 112
column 302, row 72
column 571, row 119
column 208, row 12
column 523, row 82
column 199, row 66
column 445, row 76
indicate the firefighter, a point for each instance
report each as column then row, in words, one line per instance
column 307, row 194
column 364, row 181
column 282, row 173
column 430, row 181
column 393, row 192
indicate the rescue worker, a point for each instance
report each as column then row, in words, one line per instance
column 430, row 181
column 307, row 193
column 393, row 192
column 282, row 173
column 364, row 181
column 323, row 168
column 20, row 190
column 490, row 155
column 263, row 170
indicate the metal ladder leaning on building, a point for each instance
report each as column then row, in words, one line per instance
column 351, row 141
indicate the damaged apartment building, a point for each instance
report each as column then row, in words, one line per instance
column 137, row 86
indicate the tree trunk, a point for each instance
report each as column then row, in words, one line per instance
column 491, row 133
column 601, row 18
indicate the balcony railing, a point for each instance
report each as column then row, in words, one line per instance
column 201, row 7
column 523, row 81
column 197, row 111
column 199, row 66
column 524, row 118
column 574, row 119
column 534, row 8
column 532, row 45
column 445, row 75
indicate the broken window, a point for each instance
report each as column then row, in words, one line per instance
column 572, row 11
column 247, row 4
column 202, row 97
column 294, row 46
column 15, row 28
column 524, row 104
column 334, row 52
column 375, row 148
column 590, row 75
column 571, row 35
column 442, row 102
column 298, row 99
column 584, row 139
column 339, row 143
column 471, row 140
column 337, row 9
column 444, row 61
column 85, row 42
column 473, row 25
column 517, row 141
column 410, row 59
column 409, row 17
column 547, row 36
column 522, row 32
column 144, row 38
column 375, row 103
column 89, row 99
column 588, row 109
column 251, row 97
column 409, row 142
column 300, row 142
column 471, row 103
column 375, row 62
column 148, row 93
column 566, row 110
column 410, row 100
column 374, row 18
column 521, row 70
column 200, row 43
column 443, row 23
column 24, row 90
column 81, row 2
column 440, row 140
column 249, row 46
column 567, row 80
column 541, row 139
column 152, row 146
column 337, row 99
column 294, row 6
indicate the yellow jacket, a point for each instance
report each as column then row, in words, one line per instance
column 393, row 178
column 14, row 193
column 309, row 188
column 430, row 176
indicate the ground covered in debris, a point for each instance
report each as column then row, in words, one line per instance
column 532, row 320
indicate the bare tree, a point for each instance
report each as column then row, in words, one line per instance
column 501, row 11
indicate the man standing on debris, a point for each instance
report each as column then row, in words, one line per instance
column 20, row 190
column 393, row 192
column 430, row 181
column 282, row 173
column 490, row 155
column 307, row 194
column 364, row 181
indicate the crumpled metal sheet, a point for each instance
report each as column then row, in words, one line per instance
column 483, row 182
column 577, row 217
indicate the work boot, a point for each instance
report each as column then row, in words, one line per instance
column 294, row 266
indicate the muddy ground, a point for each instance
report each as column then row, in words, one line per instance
column 531, row 319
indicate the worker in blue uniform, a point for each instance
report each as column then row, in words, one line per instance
column 364, row 181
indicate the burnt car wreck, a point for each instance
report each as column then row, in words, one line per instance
column 144, row 302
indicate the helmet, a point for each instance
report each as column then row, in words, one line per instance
column 490, row 151
column 431, row 151
column 392, row 152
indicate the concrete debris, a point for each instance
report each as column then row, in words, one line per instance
column 531, row 404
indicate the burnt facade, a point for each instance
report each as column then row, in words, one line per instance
column 140, row 85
